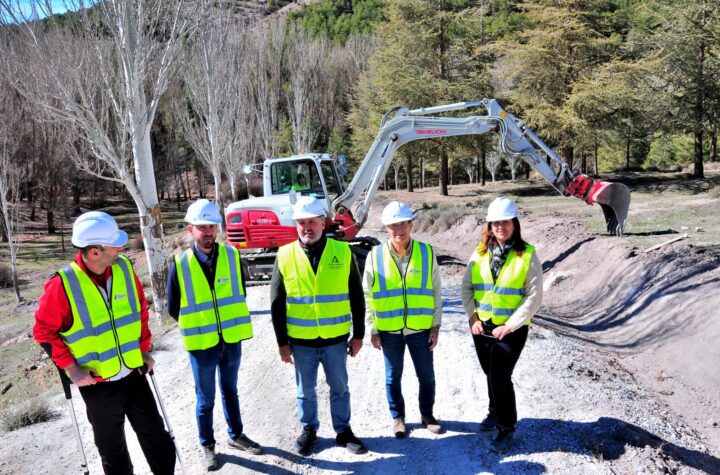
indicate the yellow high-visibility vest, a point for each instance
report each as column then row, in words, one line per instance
column 400, row 301
column 496, row 301
column 103, row 333
column 318, row 305
column 205, row 313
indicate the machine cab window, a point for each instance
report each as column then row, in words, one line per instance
column 301, row 176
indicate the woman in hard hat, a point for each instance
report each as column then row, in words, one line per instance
column 501, row 291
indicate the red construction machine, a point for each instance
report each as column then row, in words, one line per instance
column 259, row 225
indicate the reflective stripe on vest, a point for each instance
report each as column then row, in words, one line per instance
column 102, row 333
column 207, row 313
column 497, row 301
column 318, row 305
column 400, row 301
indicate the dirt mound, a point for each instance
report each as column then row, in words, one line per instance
column 654, row 310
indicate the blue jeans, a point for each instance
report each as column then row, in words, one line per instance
column 333, row 359
column 225, row 358
column 393, row 347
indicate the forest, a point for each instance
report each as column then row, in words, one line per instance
column 164, row 100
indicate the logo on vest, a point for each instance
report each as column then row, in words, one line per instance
column 415, row 271
column 222, row 280
column 120, row 296
column 335, row 263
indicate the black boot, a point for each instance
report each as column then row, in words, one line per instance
column 304, row 443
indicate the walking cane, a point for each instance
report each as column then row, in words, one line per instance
column 164, row 413
column 68, row 395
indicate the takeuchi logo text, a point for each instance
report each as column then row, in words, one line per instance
column 430, row 131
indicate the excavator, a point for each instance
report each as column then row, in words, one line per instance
column 259, row 225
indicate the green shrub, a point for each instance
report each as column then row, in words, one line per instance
column 34, row 412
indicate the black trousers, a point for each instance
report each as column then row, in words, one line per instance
column 107, row 406
column 497, row 359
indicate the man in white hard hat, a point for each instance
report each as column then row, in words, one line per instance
column 403, row 297
column 206, row 295
column 92, row 319
column 316, row 297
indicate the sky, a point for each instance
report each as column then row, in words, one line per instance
column 58, row 6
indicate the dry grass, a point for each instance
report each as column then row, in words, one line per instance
column 714, row 192
column 34, row 412
column 438, row 217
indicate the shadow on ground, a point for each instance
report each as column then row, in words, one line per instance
column 606, row 439
column 466, row 451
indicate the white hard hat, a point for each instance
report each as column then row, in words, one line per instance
column 500, row 209
column 396, row 212
column 203, row 212
column 308, row 207
column 97, row 228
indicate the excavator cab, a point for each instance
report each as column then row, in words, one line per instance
column 313, row 175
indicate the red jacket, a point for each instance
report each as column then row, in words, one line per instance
column 53, row 315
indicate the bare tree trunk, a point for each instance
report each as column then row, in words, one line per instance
column 483, row 167
column 627, row 154
column 151, row 225
column 408, row 172
column 568, row 153
column 9, row 199
column 218, row 196
column 187, row 190
column 698, row 171
column 713, row 146
column 597, row 170
column 443, row 169
column 397, row 176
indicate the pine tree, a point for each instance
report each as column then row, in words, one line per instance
column 563, row 43
column 427, row 55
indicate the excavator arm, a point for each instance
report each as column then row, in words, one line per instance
column 401, row 125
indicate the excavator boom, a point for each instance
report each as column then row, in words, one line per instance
column 401, row 125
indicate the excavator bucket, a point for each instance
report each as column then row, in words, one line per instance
column 613, row 198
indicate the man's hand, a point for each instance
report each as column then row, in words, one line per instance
column 376, row 341
column 286, row 354
column 433, row 338
column 148, row 360
column 354, row 346
column 80, row 376
column 476, row 326
column 501, row 332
